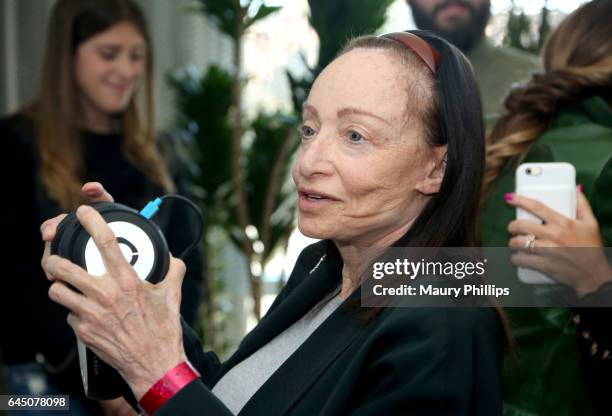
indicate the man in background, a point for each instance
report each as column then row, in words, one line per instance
column 463, row 23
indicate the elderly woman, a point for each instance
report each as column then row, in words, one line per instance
column 392, row 155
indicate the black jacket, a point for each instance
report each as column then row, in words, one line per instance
column 419, row 361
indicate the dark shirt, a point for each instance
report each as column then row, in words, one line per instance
column 407, row 361
column 30, row 322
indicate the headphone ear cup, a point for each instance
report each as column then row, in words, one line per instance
column 145, row 248
column 65, row 234
column 140, row 240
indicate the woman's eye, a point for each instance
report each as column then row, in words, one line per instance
column 137, row 56
column 307, row 132
column 355, row 137
column 108, row 54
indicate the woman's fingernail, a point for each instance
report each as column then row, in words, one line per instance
column 43, row 229
column 508, row 196
column 581, row 188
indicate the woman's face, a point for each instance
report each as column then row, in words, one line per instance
column 364, row 170
column 108, row 67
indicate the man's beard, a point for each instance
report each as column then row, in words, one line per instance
column 464, row 36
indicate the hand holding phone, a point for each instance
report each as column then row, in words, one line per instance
column 553, row 184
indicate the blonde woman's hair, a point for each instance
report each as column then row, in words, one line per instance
column 577, row 64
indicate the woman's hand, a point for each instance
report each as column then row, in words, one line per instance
column 93, row 192
column 131, row 324
column 570, row 251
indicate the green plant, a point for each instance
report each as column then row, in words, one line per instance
column 241, row 179
column 204, row 102
column 336, row 22
column 519, row 33
column 241, row 164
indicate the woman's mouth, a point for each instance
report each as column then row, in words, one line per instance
column 119, row 89
column 314, row 197
column 312, row 200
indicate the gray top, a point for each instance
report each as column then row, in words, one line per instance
column 240, row 383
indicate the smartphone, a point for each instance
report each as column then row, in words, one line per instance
column 553, row 184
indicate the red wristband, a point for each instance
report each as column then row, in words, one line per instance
column 167, row 386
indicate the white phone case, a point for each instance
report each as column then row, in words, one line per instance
column 554, row 184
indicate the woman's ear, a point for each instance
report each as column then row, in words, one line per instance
column 434, row 172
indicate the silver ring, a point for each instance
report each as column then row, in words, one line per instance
column 530, row 242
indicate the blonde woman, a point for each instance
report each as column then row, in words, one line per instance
column 563, row 363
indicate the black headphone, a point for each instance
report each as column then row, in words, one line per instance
column 141, row 241
column 143, row 245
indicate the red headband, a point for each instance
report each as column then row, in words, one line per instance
column 427, row 53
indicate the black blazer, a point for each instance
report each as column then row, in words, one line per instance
column 416, row 361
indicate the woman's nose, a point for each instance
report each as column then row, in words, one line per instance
column 316, row 155
column 128, row 68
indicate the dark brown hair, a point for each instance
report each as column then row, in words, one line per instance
column 449, row 113
column 55, row 111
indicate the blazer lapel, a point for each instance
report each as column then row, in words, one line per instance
column 321, row 279
column 289, row 383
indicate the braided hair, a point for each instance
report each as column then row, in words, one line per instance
column 577, row 64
